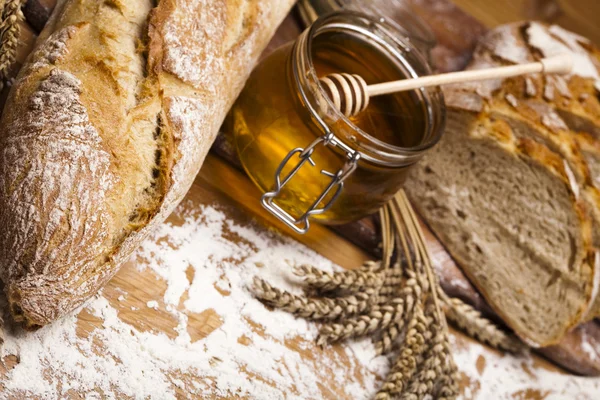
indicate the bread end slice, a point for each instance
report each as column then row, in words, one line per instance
column 505, row 210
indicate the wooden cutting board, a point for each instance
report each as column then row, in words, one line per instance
column 223, row 185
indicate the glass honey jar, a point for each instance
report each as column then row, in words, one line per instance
column 311, row 161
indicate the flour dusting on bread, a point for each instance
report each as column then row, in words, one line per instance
column 128, row 98
column 504, row 43
column 554, row 41
column 53, row 49
column 54, row 173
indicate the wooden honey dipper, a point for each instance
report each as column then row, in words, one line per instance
column 351, row 94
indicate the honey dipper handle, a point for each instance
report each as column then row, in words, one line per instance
column 561, row 64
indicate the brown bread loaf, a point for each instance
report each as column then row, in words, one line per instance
column 104, row 131
column 511, row 191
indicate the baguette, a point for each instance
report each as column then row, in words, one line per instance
column 510, row 190
column 104, row 132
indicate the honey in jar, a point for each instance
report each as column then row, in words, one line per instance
column 307, row 157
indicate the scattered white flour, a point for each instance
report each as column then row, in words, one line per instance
column 207, row 263
column 239, row 357
column 493, row 375
column 152, row 304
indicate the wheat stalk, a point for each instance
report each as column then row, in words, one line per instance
column 314, row 308
column 10, row 16
column 377, row 318
column 435, row 366
column 414, row 344
column 394, row 302
column 470, row 320
column 352, row 280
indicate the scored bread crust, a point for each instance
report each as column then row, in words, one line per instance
column 104, row 132
column 544, row 126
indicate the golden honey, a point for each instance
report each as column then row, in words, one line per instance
column 283, row 108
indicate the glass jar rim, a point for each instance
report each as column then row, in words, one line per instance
column 390, row 37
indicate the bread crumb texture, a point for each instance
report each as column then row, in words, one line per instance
column 104, row 132
column 512, row 189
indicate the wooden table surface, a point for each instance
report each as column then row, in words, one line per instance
column 221, row 184
column 580, row 16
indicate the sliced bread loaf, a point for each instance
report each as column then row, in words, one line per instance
column 511, row 191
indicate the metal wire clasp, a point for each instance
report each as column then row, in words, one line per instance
column 302, row 223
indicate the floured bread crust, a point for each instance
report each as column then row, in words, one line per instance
column 549, row 126
column 104, row 132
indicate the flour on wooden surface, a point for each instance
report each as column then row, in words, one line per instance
column 152, row 304
column 207, row 263
column 492, row 375
column 239, row 357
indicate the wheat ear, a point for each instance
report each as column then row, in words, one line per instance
column 479, row 327
column 10, row 17
column 437, row 371
column 448, row 386
column 415, row 343
column 352, row 280
column 412, row 293
column 314, row 308
column 378, row 318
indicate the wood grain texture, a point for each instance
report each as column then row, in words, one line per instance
column 579, row 16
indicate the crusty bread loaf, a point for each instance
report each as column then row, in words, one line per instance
column 511, row 191
column 105, row 130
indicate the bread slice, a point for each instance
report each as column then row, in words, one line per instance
column 104, row 132
column 510, row 190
